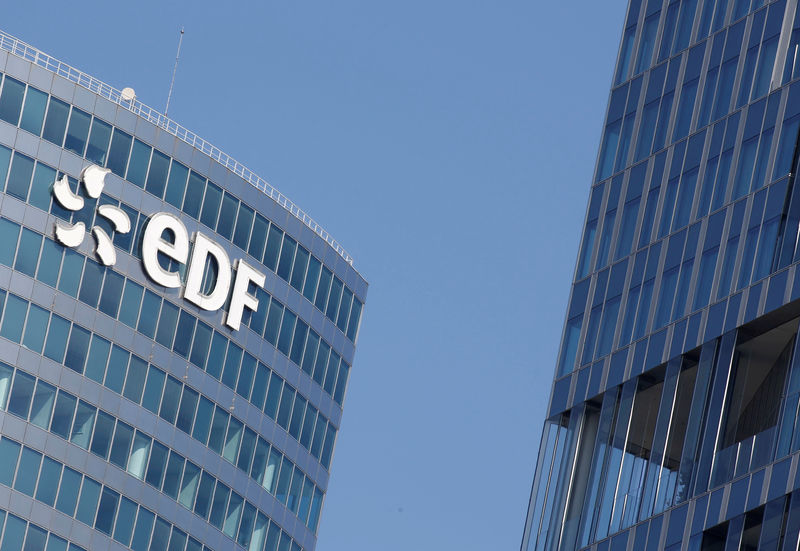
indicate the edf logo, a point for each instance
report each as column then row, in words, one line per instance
column 164, row 234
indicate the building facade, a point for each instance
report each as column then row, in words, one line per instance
column 175, row 335
column 673, row 419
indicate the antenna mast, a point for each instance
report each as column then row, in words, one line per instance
column 174, row 70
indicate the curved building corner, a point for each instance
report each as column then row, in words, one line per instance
column 176, row 336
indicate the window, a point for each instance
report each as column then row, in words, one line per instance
column 758, row 375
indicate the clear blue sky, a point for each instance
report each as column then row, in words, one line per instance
column 449, row 145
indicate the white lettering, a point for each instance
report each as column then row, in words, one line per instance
column 240, row 298
column 153, row 243
column 215, row 299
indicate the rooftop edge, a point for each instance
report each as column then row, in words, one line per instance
column 18, row 48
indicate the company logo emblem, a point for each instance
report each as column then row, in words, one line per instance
column 72, row 235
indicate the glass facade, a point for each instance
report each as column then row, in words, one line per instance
column 130, row 418
column 673, row 418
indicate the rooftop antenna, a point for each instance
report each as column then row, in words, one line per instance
column 174, row 70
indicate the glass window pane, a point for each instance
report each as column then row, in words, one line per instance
column 9, row 233
column 157, row 175
column 121, row 445
column 118, row 153
column 98, row 142
column 104, row 427
column 112, row 292
column 176, row 185
column 33, row 112
column 43, row 179
column 49, row 263
column 56, row 338
column 19, row 177
column 139, row 455
column 172, row 396
column 187, row 409
column 140, row 160
column 105, row 512
column 43, row 399
column 48, row 481
column 243, row 224
column 166, row 324
column 150, row 308
column 117, row 368
column 200, row 344
column 183, row 335
column 123, row 529
column 191, row 476
column 211, row 204
column 21, row 393
column 56, row 121
column 9, row 453
column 227, row 216
column 153, row 389
column 141, row 534
column 77, row 349
column 273, row 247
column 11, row 100
column 218, row 426
column 28, row 471
column 62, row 415
column 134, row 381
column 287, row 257
column 78, row 131
column 202, row 423
column 194, row 194
column 68, row 492
column 14, row 318
column 172, row 478
column 84, row 421
column 87, row 505
column 131, row 301
column 156, row 465
column 71, row 270
column 14, row 534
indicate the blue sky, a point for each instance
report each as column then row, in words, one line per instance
column 449, row 146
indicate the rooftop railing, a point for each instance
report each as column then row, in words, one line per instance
column 37, row 57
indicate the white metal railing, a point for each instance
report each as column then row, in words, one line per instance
column 29, row 53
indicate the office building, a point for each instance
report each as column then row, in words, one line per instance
column 176, row 336
column 673, row 418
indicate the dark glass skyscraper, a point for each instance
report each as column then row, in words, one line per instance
column 673, row 419
column 175, row 335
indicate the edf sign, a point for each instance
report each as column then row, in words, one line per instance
column 166, row 234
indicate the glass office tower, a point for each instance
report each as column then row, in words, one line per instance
column 135, row 412
column 673, row 420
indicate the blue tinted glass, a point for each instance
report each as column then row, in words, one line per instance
column 150, row 308
column 28, row 471
column 21, row 393
column 77, row 349
column 14, row 318
column 112, row 291
column 118, row 152
column 176, row 186
column 106, row 511
column 183, row 334
column 200, row 345
column 9, row 232
column 11, row 100
column 194, row 194
column 273, row 248
column 78, row 132
column 117, row 367
column 172, row 396
column 227, row 216
column 56, row 121
column 211, row 205
column 123, row 529
column 243, row 223
column 49, row 263
column 82, row 427
column 36, row 328
column 140, row 160
column 187, row 410
column 216, row 357
column 98, row 356
column 141, row 534
column 134, row 382
column 157, row 175
column 48, row 481
column 101, row 440
column 9, row 453
column 202, row 423
column 62, row 415
column 68, row 493
column 13, row 534
column 33, row 112
column 121, row 445
column 43, row 179
column 91, row 283
column 71, row 270
column 42, row 407
column 153, row 389
column 98, row 142
column 19, row 178
column 166, row 324
column 131, row 301
column 87, row 506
